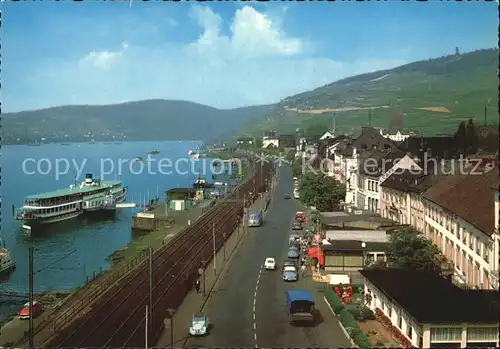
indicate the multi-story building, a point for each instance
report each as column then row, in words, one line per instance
column 375, row 167
column 459, row 219
column 401, row 196
column 270, row 142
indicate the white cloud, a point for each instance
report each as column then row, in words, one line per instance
column 253, row 34
column 103, row 59
column 253, row 62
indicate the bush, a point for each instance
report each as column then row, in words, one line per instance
column 361, row 340
column 352, row 327
column 347, row 319
column 334, row 300
column 362, row 313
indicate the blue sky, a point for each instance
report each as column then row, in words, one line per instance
column 221, row 54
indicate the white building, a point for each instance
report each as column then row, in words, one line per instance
column 270, row 142
column 396, row 137
column 375, row 168
column 430, row 312
column 459, row 219
column 327, row 135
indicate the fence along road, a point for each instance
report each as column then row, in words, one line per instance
column 116, row 319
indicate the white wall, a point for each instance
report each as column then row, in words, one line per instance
column 269, row 141
column 457, row 239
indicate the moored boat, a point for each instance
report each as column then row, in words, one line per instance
column 6, row 262
column 63, row 204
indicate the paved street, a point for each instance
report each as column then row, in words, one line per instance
column 247, row 308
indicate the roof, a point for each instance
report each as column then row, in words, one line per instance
column 354, row 245
column 376, row 162
column 300, row 295
column 371, row 138
column 181, row 190
column 412, row 181
column 429, row 298
column 72, row 191
column 442, row 147
column 244, row 139
column 469, row 197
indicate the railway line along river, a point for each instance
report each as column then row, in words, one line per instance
column 67, row 253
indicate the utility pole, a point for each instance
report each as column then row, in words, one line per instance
column 215, row 257
column 146, row 329
column 224, row 248
column 203, row 271
column 150, row 290
column 370, row 117
column 30, row 281
column 485, row 114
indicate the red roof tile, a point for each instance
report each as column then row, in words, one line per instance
column 468, row 196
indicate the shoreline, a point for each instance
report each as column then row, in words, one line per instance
column 120, row 262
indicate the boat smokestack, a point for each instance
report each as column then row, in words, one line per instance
column 88, row 179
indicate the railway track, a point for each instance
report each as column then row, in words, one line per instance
column 117, row 318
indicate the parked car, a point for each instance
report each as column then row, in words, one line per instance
column 270, row 264
column 289, row 263
column 199, row 325
column 290, row 274
column 293, row 253
column 296, row 226
column 24, row 313
column 255, row 219
column 300, row 217
column 286, row 196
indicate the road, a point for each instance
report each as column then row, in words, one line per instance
column 247, row 309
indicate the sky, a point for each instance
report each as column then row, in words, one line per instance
column 226, row 55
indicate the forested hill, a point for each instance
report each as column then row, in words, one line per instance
column 142, row 120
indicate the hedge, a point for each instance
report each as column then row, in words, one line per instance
column 347, row 319
column 333, row 299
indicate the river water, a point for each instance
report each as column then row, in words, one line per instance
column 67, row 253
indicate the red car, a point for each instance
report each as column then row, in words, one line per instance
column 300, row 217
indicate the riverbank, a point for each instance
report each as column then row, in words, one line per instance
column 121, row 262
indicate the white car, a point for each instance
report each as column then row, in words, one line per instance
column 270, row 264
column 199, row 325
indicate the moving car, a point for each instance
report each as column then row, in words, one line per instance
column 199, row 325
column 270, row 264
column 296, row 226
column 24, row 313
column 300, row 306
column 286, row 196
column 290, row 274
column 255, row 219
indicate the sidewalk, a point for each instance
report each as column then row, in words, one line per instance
column 193, row 302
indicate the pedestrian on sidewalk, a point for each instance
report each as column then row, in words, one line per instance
column 197, row 285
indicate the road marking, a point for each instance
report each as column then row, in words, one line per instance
column 255, row 306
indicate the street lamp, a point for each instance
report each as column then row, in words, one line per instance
column 201, row 271
column 171, row 313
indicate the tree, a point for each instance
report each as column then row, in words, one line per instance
column 321, row 191
column 409, row 249
column 472, row 137
column 258, row 142
column 466, row 137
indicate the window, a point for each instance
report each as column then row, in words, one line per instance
column 486, row 253
column 400, row 321
column 482, row 334
column 446, row 334
column 409, row 331
column 389, row 311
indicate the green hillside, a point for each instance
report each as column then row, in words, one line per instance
column 462, row 85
